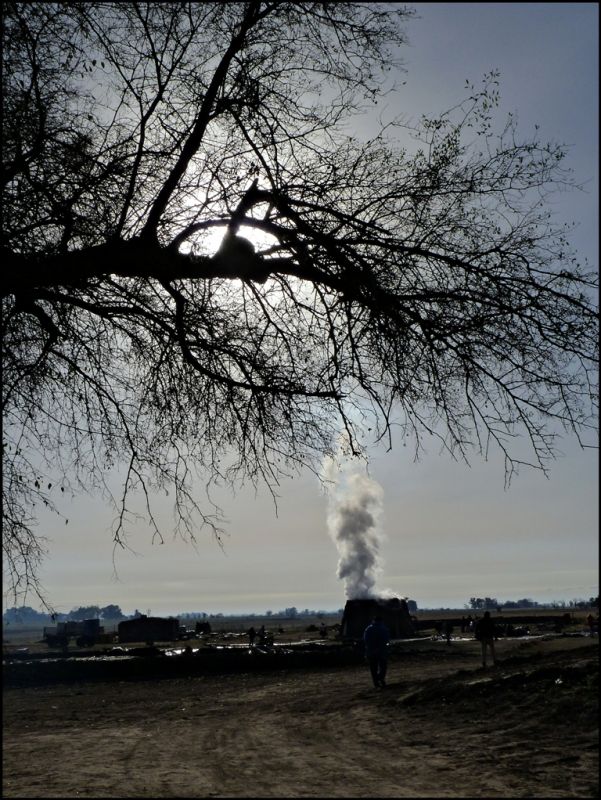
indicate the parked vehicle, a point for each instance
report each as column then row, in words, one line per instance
column 86, row 632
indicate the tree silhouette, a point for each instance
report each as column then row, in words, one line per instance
column 426, row 287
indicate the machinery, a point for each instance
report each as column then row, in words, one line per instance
column 89, row 632
column 86, row 633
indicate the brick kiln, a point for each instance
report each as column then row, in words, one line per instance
column 360, row 612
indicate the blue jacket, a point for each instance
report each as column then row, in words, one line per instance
column 376, row 638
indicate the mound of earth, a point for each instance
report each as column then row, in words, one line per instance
column 558, row 680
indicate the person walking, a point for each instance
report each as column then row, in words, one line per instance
column 485, row 633
column 375, row 638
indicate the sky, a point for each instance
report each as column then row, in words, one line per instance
column 448, row 532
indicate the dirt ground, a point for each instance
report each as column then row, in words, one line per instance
column 443, row 727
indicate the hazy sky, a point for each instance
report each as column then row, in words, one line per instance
column 451, row 532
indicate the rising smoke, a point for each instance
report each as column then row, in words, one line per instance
column 354, row 509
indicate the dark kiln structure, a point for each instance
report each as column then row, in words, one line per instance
column 359, row 613
column 149, row 629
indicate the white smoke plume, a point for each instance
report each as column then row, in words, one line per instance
column 354, row 509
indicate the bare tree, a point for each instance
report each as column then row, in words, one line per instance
column 427, row 288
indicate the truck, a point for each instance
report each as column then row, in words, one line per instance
column 86, row 632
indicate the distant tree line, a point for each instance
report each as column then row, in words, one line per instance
column 286, row 613
column 24, row 615
column 483, row 603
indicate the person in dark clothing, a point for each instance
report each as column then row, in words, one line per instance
column 375, row 639
column 485, row 633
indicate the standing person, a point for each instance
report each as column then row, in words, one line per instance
column 376, row 638
column 448, row 630
column 251, row 636
column 485, row 633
